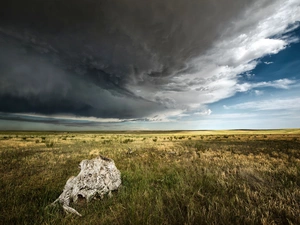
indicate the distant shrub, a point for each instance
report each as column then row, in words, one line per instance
column 154, row 139
column 188, row 144
column 49, row 144
column 127, row 140
column 200, row 147
column 24, row 138
column 106, row 141
column 37, row 141
column 225, row 136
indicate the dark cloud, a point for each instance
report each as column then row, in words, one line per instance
column 56, row 121
column 85, row 57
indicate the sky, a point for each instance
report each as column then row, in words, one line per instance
column 149, row 65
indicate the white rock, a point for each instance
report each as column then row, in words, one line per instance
column 97, row 177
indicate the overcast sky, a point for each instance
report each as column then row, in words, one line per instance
column 159, row 64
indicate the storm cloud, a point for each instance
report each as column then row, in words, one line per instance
column 133, row 59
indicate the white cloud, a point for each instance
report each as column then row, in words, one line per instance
column 271, row 104
column 258, row 92
column 256, row 49
column 268, row 63
column 255, row 34
column 69, row 117
column 281, row 83
column 206, row 112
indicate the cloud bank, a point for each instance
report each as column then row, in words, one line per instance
column 274, row 104
column 135, row 60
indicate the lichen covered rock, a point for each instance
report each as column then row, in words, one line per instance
column 97, row 177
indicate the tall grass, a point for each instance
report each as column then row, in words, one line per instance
column 192, row 179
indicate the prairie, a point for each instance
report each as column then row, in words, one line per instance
column 169, row 177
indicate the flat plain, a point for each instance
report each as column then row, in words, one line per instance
column 168, row 177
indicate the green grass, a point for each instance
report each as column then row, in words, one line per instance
column 207, row 177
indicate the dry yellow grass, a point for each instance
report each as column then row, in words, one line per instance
column 182, row 177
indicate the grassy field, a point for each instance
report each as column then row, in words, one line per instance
column 176, row 177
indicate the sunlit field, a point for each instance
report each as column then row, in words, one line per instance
column 176, row 177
